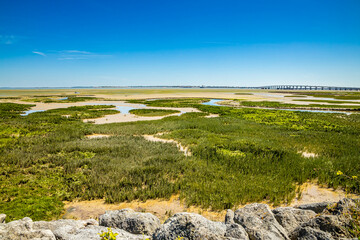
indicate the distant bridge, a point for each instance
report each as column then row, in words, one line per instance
column 308, row 87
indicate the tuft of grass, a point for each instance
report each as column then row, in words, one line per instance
column 152, row 112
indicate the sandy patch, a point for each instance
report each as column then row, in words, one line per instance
column 313, row 193
column 181, row 148
column 94, row 136
column 163, row 209
column 308, row 154
column 212, row 115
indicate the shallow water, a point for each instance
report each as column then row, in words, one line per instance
column 30, row 111
column 213, row 102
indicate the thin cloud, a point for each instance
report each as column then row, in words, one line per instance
column 75, row 51
column 71, row 58
column 39, row 53
column 78, row 55
column 7, row 39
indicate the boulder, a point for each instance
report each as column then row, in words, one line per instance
column 91, row 232
column 259, row 222
column 316, row 207
column 344, row 207
column 190, row 226
column 235, row 231
column 2, row 218
column 330, row 224
column 292, row 218
column 307, row 233
column 131, row 221
column 23, row 229
column 53, row 225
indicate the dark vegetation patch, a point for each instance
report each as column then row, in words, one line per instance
column 244, row 94
column 271, row 104
column 245, row 155
column 324, row 94
column 59, row 98
column 181, row 102
column 152, row 112
column 326, row 101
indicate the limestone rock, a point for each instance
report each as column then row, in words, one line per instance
column 23, row 229
column 91, row 232
column 131, row 221
column 330, row 224
column 259, row 222
column 235, row 231
column 307, row 233
column 229, row 217
column 292, row 218
column 190, row 226
column 316, row 207
column 53, row 225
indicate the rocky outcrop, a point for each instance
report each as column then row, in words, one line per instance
column 195, row 226
column 23, row 229
column 308, row 233
column 254, row 221
column 259, row 222
column 91, row 232
column 291, row 218
column 316, row 207
column 131, row 221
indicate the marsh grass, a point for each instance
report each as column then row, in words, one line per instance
column 270, row 104
column 152, row 112
column 245, row 155
column 327, row 94
column 58, row 98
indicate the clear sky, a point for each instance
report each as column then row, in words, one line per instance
column 55, row 43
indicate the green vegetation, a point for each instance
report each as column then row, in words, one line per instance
column 243, row 93
column 323, row 94
column 109, row 235
column 326, row 101
column 270, row 104
column 57, row 98
column 245, row 155
column 152, row 112
column 182, row 102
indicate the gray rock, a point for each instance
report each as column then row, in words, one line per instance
column 91, row 232
column 259, row 222
column 292, row 218
column 235, row 231
column 316, row 207
column 53, row 225
column 131, row 221
column 344, row 207
column 190, row 226
column 307, row 233
column 330, row 224
column 229, row 217
column 23, row 229
column 2, row 218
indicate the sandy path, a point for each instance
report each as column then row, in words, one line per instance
column 181, row 148
column 313, row 193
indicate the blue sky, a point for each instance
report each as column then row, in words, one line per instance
column 141, row 42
